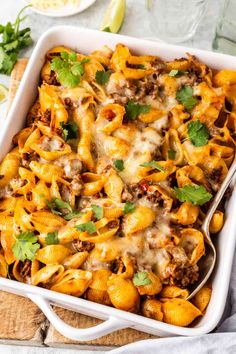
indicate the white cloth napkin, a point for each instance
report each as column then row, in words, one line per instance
column 222, row 341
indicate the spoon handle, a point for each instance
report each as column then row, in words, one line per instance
column 219, row 196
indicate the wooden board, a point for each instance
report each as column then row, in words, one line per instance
column 21, row 322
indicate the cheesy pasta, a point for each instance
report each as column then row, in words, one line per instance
column 105, row 190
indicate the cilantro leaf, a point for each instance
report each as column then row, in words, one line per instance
column 119, row 165
column 56, row 204
column 175, row 72
column 102, row 77
column 70, row 130
column 198, row 133
column 72, row 215
column 106, row 29
column 129, row 207
column 52, row 238
column 185, row 96
column 67, row 78
column 153, row 164
column 98, row 211
column 89, row 227
column 141, row 279
column 133, row 110
column 171, row 154
column 12, row 41
column 26, row 246
column 68, row 69
column 194, row 194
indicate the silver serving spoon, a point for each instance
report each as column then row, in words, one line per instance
column 207, row 263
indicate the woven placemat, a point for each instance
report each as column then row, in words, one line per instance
column 22, row 322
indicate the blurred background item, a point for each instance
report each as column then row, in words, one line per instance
column 175, row 21
column 225, row 35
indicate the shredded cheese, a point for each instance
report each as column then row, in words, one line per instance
column 53, row 4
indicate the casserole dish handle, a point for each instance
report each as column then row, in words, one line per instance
column 110, row 325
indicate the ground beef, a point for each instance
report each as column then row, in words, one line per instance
column 46, row 117
column 127, row 195
column 81, row 246
column 25, row 269
column 214, row 178
column 182, row 276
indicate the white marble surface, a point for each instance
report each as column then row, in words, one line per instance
column 136, row 24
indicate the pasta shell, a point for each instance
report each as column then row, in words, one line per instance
column 179, row 312
column 136, row 221
column 152, row 308
column 3, row 267
column 9, row 167
column 216, row 222
column 97, row 290
column 53, row 254
column 193, row 243
column 172, row 291
column 151, row 289
column 48, row 274
column 122, row 293
column 46, row 172
column 73, row 282
column 202, row 298
column 7, row 242
column 45, row 221
column 76, row 260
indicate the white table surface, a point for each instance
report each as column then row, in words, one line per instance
column 136, row 14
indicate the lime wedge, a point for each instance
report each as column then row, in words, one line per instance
column 114, row 16
column 3, row 93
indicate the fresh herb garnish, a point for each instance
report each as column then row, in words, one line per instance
column 57, row 204
column 89, row 227
column 133, row 110
column 98, row 211
column 119, row 165
column 102, row 77
column 194, row 194
column 68, row 69
column 171, row 154
column 13, row 40
column 106, row 29
column 69, row 130
column 26, row 246
column 129, row 207
column 198, row 133
column 153, row 164
column 141, row 279
column 140, row 66
column 185, row 96
column 59, row 207
column 72, row 215
column 52, row 238
column 175, row 72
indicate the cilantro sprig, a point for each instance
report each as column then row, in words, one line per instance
column 185, row 96
column 68, row 69
column 98, row 211
column 154, row 165
column 175, row 72
column 26, row 246
column 69, row 130
column 89, row 227
column 194, row 194
column 141, row 279
column 171, row 154
column 102, row 77
column 12, row 41
column 52, row 238
column 59, row 207
column 133, row 109
column 129, row 207
column 119, row 165
column 198, row 133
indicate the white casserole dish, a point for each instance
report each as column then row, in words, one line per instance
column 85, row 41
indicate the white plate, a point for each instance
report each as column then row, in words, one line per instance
column 63, row 11
column 85, row 41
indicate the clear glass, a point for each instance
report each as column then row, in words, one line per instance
column 175, row 21
column 225, row 36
